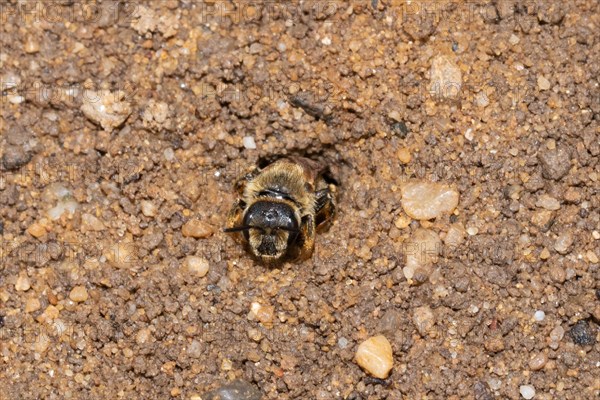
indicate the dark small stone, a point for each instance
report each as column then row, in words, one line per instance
column 555, row 163
column 400, row 129
column 151, row 241
column 369, row 380
column 456, row 301
column 482, row 391
column 1, row 227
column 236, row 390
column 306, row 102
column 14, row 157
column 598, row 293
column 176, row 220
column 583, row 334
column 1, row 321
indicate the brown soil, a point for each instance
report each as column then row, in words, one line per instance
column 344, row 84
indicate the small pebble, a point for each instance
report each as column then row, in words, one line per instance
column 196, row 229
column 143, row 336
column 23, row 284
column 472, row 230
column 262, row 313
column 542, row 218
column 592, row 257
column 41, row 344
column 197, row 266
column 563, row 242
column 494, row 383
column 31, row 45
column 404, row 155
column 422, row 250
column 557, row 273
column 226, row 364
column 105, row 108
column 156, row 114
column 423, row 319
column 482, row 100
column 32, row 305
column 249, row 142
column 36, row 230
column 555, row 163
column 469, row 134
column 67, row 204
column 51, row 313
column 547, row 202
column 148, row 208
column 572, row 195
column 78, row 294
column 403, row 221
column 455, row 235
column 539, row 315
column 556, row 335
column 169, row 154
column 527, row 391
column 513, row 39
column 427, row 200
column 446, row 78
column 194, row 350
column 236, row 390
column 375, row 356
column 342, row 343
column 543, row 83
column 538, row 361
column 255, row 334
column 494, row 344
column 583, row 334
column 91, row 223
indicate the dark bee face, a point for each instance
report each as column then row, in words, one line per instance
column 273, row 227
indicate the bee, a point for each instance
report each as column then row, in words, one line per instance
column 280, row 208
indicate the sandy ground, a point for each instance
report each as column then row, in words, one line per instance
column 122, row 131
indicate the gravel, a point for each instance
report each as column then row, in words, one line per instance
column 236, row 390
column 428, row 200
column 583, row 334
column 375, row 356
column 113, row 196
column 527, row 391
column 555, row 163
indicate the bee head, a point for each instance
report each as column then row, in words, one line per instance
column 269, row 227
column 269, row 216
